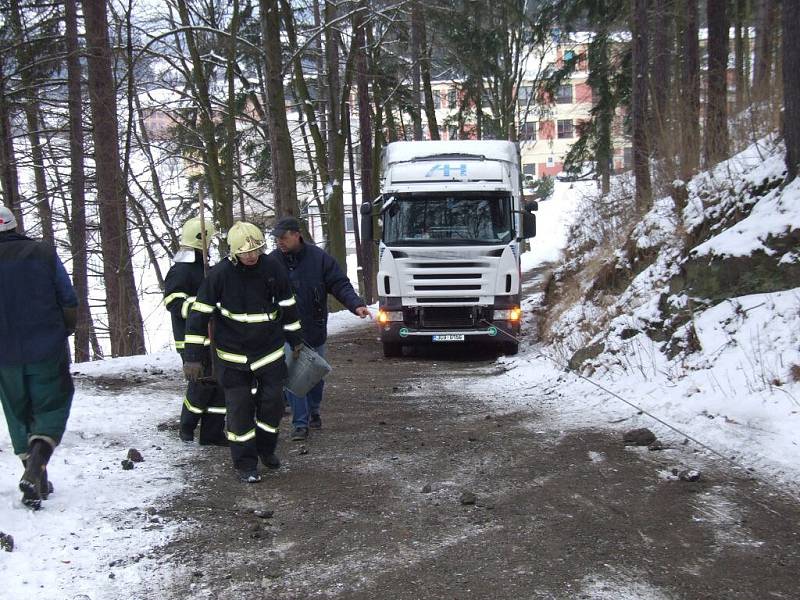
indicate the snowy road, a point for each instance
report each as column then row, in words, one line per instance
column 419, row 487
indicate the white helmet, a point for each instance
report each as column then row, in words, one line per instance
column 191, row 234
column 7, row 219
column 244, row 237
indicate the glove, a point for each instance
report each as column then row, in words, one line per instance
column 193, row 370
column 70, row 318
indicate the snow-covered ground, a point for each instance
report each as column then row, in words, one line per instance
column 738, row 395
column 553, row 219
column 98, row 512
column 92, row 539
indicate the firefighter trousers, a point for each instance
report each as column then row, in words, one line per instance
column 36, row 400
column 254, row 403
column 204, row 405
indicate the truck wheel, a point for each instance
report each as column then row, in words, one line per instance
column 392, row 349
column 510, row 348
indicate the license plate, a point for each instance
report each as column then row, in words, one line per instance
column 449, row 337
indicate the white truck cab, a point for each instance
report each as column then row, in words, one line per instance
column 452, row 221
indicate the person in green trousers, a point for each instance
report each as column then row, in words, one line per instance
column 38, row 311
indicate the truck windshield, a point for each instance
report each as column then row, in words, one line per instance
column 436, row 219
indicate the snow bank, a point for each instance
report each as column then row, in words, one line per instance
column 727, row 377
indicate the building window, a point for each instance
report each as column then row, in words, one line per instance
column 348, row 223
column 527, row 132
column 566, row 129
column 550, row 161
column 452, row 132
column 564, row 94
column 524, row 97
column 529, row 169
column 569, row 55
column 437, row 99
column 486, row 98
column 451, row 99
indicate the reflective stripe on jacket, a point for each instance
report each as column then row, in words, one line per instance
column 180, row 288
column 253, row 311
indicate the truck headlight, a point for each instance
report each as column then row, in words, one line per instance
column 510, row 314
column 386, row 316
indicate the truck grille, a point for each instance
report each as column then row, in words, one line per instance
column 447, row 276
column 436, row 317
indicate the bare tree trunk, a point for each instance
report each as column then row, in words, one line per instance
column 80, row 278
column 124, row 317
column 741, row 46
column 416, row 53
column 366, row 253
column 332, row 85
column 37, row 157
column 425, row 72
column 334, row 201
column 8, row 165
column 172, row 241
column 303, row 94
column 791, row 87
column 282, row 154
column 322, row 92
column 716, row 123
column 690, row 91
column 25, row 67
column 222, row 205
column 762, row 53
column 354, row 205
column 661, row 85
column 230, row 148
column 641, row 151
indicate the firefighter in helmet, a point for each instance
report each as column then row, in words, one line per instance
column 204, row 402
column 248, row 300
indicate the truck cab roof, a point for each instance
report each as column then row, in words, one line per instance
column 496, row 150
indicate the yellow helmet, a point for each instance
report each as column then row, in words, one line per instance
column 244, row 237
column 191, row 235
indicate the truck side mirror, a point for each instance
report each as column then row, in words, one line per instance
column 531, row 206
column 366, row 221
column 528, row 224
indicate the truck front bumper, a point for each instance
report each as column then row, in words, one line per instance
column 468, row 324
column 496, row 332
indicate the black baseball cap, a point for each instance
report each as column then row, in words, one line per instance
column 285, row 224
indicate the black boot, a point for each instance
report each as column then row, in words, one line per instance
column 31, row 483
column 271, row 461
column 45, row 486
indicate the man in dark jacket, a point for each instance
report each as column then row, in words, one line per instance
column 250, row 304
column 38, row 311
column 204, row 402
column 314, row 274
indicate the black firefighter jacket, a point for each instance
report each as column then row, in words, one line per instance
column 314, row 274
column 180, row 289
column 252, row 311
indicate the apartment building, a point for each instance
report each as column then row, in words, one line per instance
column 546, row 126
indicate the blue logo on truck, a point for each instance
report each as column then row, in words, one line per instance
column 446, row 168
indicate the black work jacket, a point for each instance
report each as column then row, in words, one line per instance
column 180, row 290
column 314, row 274
column 34, row 291
column 252, row 312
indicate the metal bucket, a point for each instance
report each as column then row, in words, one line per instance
column 305, row 372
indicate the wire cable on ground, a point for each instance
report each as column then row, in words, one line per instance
column 658, row 419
